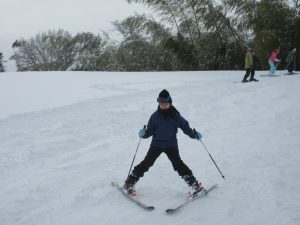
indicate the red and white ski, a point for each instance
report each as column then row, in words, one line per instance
column 133, row 199
column 200, row 195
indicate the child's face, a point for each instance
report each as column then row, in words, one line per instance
column 164, row 105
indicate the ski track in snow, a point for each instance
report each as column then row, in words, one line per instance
column 57, row 159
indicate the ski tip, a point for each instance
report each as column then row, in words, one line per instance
column 169, row 211
column 150, row 208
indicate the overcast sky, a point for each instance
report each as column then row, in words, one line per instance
column 26, row 18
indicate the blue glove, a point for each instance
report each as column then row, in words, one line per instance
column 142, row 133
column 198, row 136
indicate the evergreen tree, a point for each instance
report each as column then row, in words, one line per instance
column 186, row 35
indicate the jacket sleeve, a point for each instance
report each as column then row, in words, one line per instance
column 185, row 127
column 150, row 127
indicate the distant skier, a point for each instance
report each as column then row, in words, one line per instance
column 290, row 60
column 250, row 63
column 272, row 59
column 162, row 126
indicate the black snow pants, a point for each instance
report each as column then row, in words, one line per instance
column 248, row 72
column 153, row 153
column 290, row 67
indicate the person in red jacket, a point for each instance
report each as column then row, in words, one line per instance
column 272, row 59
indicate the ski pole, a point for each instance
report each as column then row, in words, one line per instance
column 135, row 153
column 212, row 158
column 287, row 66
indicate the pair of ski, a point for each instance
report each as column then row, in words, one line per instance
column 278, row 75
column 170, row 210
column 236, row 82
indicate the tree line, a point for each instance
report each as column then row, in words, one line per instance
column 177, row 35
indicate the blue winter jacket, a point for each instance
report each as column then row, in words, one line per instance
column 164, row 129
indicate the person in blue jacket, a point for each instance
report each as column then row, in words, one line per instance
column 162, row 126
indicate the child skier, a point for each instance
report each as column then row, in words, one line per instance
column 290, row 59
column 250, row 62
column 162, row 126
column 272, row 60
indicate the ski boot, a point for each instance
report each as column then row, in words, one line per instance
column 194, row 184
column 253, row 79
column 196, row 189
column 129, row 185
column 245, row 80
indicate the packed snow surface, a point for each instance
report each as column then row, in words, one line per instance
column 64, row 136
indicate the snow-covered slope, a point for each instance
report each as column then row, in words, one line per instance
column 65, row 136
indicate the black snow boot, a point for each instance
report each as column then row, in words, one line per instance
column 253, row 79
